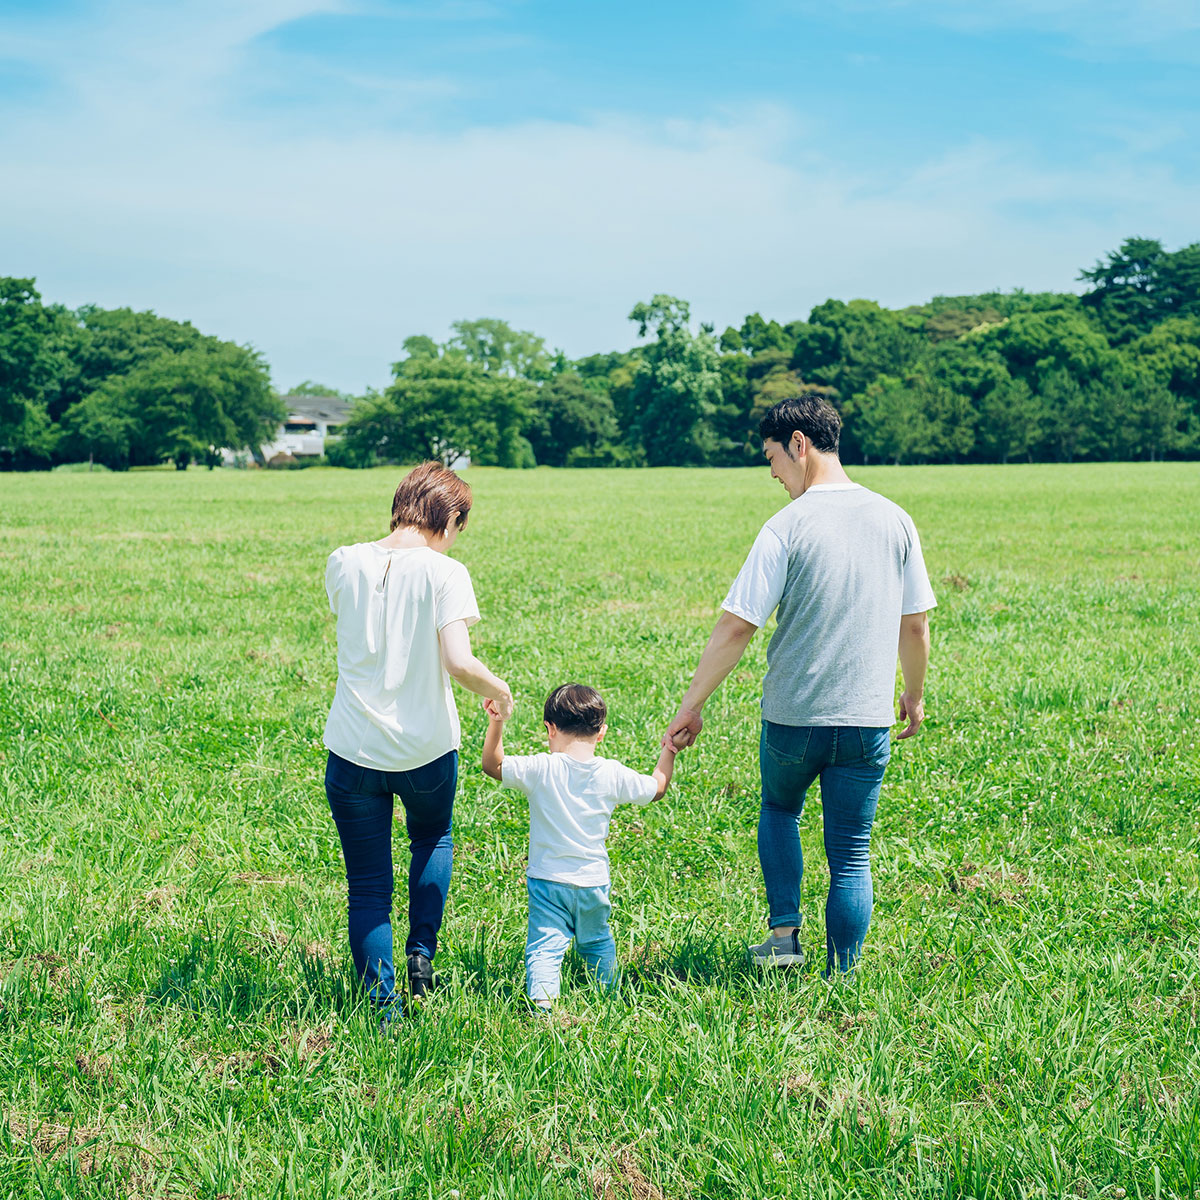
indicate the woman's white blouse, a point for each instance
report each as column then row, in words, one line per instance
column 393, row 709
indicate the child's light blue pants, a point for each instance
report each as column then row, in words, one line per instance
column 559, row 912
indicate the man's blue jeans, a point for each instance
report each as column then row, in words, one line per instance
column 362, row 801
column 850, row 761
column 559, row 912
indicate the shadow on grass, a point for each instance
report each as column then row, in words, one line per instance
column 240, row 978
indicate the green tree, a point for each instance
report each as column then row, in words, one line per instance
column 572, row 423
column 846, row 346
column 1171, row 352
column 441, row 406
column 29, row 367
column 501, row 350
column 311, row 388
column 100, row 343
column 1126, row 287
column 892, row 422
column 676, row 398
column 184, row 407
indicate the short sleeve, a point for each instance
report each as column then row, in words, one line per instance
column 456, row 597
column 630, row 787
column 521, row 771
column 758, row 588
column 918, row 594
column 333, row 574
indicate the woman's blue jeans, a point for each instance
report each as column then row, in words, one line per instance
column 362, row 801
column 849, row 760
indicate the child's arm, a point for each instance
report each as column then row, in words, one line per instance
column 493, row 741
column 662, row 772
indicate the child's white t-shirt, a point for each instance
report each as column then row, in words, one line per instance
column 570, row 805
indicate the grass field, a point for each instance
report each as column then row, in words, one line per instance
column 176, row 1015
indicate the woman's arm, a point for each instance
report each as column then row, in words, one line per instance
column 464, row 668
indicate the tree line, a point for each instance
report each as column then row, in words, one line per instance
column 1113, row 373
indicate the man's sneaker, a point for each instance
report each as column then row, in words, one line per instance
column 779, row 951
column 420, row 976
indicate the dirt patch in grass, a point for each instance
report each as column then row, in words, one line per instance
column 621, row 1178
column 306, row 1046
column 277, row 942
column 53, row 1140
column 55, row 968
column 158, row 899
column 1001, row 884
column 96, row 1068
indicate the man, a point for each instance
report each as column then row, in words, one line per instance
column 843, row 567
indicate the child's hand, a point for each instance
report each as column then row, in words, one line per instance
column 493, row 711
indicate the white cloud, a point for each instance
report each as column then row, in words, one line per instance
column 326, row 251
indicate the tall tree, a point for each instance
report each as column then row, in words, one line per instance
column 676, row 395
column 502, row 350
column 101, row 343
column 572, row 423
column 29, row 368
column 441, row 406
column 846, row 346
column 184, row 407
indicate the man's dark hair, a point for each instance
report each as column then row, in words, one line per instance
column 575, row 708
column 813, row 415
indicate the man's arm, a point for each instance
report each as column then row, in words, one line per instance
column 493, row 742
column 730, row 637
column 914, row 661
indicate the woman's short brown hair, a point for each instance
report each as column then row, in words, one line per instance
column 427, row 498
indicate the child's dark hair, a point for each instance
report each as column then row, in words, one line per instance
column 575, row 708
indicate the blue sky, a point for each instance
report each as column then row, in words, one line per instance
column 322, row 178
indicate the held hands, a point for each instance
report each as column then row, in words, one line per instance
column 499, row 710
column 684, row 729
column 912, row 710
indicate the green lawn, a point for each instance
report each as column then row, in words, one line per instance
column 176, row 1014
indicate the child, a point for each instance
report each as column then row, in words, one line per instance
column 572, row 794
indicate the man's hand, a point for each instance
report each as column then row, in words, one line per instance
column 912, row 710
column 493, row 711
column 684, row 729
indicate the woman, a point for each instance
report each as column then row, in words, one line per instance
column 403, row 609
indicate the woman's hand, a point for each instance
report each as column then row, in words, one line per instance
column 492, row 708
column 502, row 705
column 463, row 667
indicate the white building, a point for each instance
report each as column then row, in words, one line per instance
column 309, row 421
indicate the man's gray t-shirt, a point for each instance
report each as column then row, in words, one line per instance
column 842, row 564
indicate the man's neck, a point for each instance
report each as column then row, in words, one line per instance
column 822, row 469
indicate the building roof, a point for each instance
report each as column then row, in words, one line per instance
column 330, row 409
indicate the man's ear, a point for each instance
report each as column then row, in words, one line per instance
column 603, row 731
column 798, row 445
